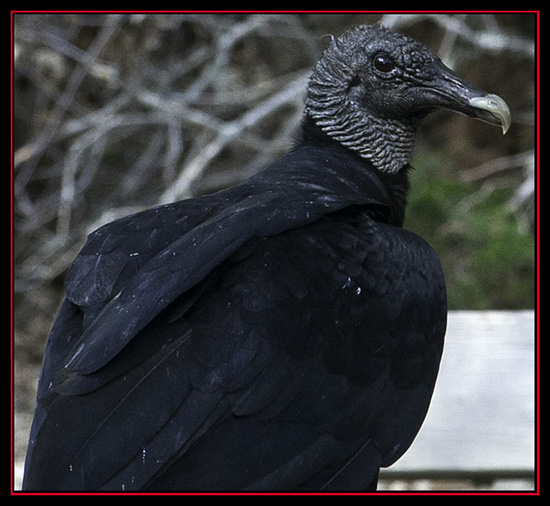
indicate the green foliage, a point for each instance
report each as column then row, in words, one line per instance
column 487, row 257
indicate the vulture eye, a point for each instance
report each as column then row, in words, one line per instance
column 384, row 63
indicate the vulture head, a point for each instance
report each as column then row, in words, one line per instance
column 372, row 87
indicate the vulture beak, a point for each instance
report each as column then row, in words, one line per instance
column 492, row 109
column 449, row 91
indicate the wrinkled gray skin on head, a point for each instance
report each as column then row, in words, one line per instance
column 372, row 87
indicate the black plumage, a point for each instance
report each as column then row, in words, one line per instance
column 284, row 334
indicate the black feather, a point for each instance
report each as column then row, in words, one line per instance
column 284, row 334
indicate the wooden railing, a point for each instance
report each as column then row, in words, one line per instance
column 480, row 428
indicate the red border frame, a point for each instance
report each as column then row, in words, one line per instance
column 536, row 492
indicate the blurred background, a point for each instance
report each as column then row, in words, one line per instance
column 118, row 113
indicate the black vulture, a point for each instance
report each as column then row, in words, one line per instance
column 282, row 334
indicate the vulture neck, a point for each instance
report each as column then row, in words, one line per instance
column 386, row 142
column 396, row 183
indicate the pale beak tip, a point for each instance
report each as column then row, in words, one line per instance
column 492, row 109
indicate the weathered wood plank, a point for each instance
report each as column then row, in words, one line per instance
column 482, row 414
